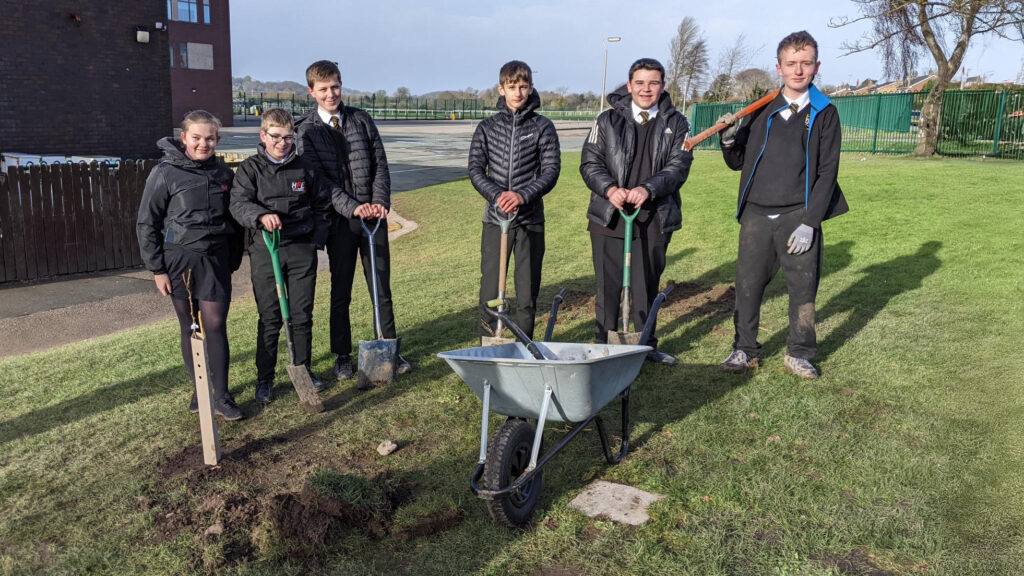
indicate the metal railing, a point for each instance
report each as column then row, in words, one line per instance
column 971, row 122
column 252, row 104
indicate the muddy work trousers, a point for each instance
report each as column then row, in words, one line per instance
column 762, row 253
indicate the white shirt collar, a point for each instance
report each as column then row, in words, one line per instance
column 802, row 101
column 325, row 117
column 652, row 112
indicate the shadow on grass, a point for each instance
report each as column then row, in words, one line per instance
column 101, row 400
column 716, row 310
column 866, row 297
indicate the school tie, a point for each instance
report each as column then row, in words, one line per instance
column 644, row 117
column 793, row 108
column 334, row 123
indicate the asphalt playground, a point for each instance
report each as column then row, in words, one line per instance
column 53, row 313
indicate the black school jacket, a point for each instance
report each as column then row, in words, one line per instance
column 823, row 198
column 515, row 151
column 608, row 154
column 292, row 189
column 185, row 203
column 353, row 160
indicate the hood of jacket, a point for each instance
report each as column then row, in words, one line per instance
column 531, row 106
column 621, row 99
column 264, row 158
column 174, row 154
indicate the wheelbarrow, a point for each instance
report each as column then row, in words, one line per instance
column 545, row 382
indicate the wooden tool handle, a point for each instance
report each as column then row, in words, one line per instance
column 692, row 143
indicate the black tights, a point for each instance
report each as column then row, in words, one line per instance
column 215, row 315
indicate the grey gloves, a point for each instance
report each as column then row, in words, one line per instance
column 734, row 125
column 800, row 240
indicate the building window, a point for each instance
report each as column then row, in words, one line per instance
column 188, row 10
column 171, row 44
column 183, row 52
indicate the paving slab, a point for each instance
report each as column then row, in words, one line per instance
column 616, row 502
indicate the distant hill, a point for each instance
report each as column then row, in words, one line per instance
column 247, row 84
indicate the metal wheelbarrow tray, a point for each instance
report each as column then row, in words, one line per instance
column 546, row 382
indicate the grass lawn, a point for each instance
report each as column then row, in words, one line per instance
column 904, row 458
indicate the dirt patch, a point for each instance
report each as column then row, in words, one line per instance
column 687, row 299
column 433, row 524
column 857, row 562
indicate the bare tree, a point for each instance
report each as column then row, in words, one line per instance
column 403, row 93
column 731, row 61
column 752, row 83
column 904, row 29
column 688, row 62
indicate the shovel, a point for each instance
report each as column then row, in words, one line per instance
column 625, row 337
column 506, row 223
column 299, row 375
column 377, row 357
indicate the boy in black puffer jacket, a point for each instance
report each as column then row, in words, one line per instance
column 277, row 190
column 514, row 160
column 344, row 145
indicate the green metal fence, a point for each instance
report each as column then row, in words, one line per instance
column 971, row 123
column 248, row 104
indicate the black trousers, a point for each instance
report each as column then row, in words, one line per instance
column 526, row 243
column 646, row 266
column 762, row 251
column 298, row 263
column 343, row 247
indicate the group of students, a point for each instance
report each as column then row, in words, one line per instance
column 196, row 217
column 634, row 158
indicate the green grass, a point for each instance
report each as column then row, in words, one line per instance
column 904, row 458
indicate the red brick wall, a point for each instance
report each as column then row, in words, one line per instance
column 212, row 87
column 83, row 86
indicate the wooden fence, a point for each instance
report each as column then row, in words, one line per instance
column 66, row 218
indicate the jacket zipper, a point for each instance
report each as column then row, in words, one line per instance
column 511, row 149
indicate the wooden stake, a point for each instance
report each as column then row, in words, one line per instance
column 204, row 394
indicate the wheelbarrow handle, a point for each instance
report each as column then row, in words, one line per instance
column 653, row 314
column 559, row 298
column 494, row 308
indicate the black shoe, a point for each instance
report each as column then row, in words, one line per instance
column 659, row 357
column 318, row 384
column 193, row 406
column 343, row 367
column 227, row 409
column 403, row 366
column 265, row 391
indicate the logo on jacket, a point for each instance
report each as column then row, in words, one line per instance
column 668, row 130
column 530, row 135
column 224, row 187
column 299, row 186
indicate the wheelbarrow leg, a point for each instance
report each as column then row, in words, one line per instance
column 625, row 432
column 483, row 423
column 540, row 427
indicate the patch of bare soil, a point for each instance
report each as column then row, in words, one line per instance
column 293, row 500
column 433, row 524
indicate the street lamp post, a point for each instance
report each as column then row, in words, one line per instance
column 604, row 74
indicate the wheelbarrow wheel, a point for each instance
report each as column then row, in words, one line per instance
column 508, row 455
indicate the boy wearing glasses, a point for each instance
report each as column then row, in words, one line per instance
column 277, row 190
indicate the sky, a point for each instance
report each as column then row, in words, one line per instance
column 432, row 45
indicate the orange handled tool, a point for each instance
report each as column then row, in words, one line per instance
column 754, row 106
